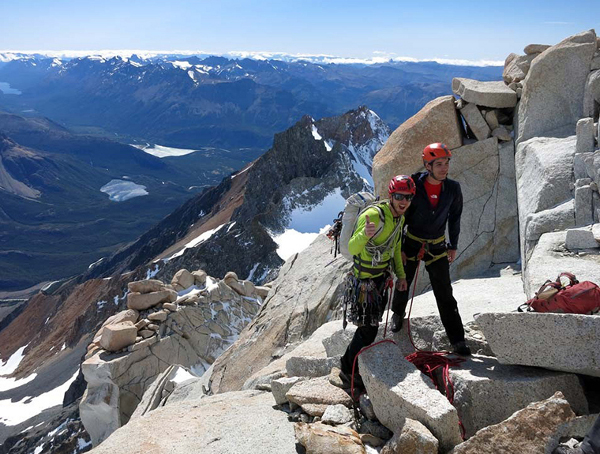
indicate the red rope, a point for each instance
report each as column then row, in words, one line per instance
column 428, row 362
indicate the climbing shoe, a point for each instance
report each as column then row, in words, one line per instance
column 396, row 323
column 462, row 349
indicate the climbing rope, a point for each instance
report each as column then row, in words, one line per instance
column 428, row 362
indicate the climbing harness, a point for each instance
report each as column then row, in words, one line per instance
column 425, row 248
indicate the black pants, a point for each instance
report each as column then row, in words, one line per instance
column 364, row 335
column 591, row 442
column 439, row 275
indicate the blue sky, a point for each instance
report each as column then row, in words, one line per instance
column 474, row 30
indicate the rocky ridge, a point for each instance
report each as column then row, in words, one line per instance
column 297, row 374
column 188, row 322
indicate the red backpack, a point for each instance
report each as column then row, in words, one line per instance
column 574, row 298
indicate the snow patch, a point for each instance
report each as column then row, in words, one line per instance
column 182, row 375
column 196, row 241
column 13, row 413
column 121, row 190
column 11, row 383
column 291, row 242
column 181, row 64
column 315, row 133
column 252, row 271
column 11, row 364
column 161, row 151
column 151, row 273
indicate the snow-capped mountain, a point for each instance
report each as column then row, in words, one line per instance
column 235, row 226
column 191, row 101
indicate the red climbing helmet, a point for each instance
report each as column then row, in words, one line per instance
column 402, row 183
column 435, row 151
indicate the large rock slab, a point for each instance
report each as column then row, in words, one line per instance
column 309, row 366
column 475, row 121
column 314, row 396
column 487, row 392
column 560, row 217
column 234, row 423
column 591, row 97
column 555, row 83
column 398, row 390
column 146, row 286
column 142, row 301
column 488, row 94
column 436, row 122
column 549, row 258
column 489, row 219
column 563, row 342
column 322, row 439
column 528, row 431
column 308, row 287
column 544, row 171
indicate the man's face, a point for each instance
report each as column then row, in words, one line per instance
column 439, row 168
column 400, row 202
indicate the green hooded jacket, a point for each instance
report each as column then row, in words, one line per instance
column 358, row 242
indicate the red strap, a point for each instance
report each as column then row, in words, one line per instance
column 573, row 280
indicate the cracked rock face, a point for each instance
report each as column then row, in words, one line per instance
column 192, row 335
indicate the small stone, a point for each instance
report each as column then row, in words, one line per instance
column 170, row 306
column 143, row 301
column 118, row 336
column 189, row 300
column 581, row 238
column 183, row 278
column 304, row 417
column 159, row 316
column 334, row 377
column 262, row 291
column 413, row 437
column 320, row 438
column 337, row 414
column 535, row 48
column 371, row 440
column 152, row 327
column 502, row 133
column 281, row 386
column 146, row 333
column 585, row 136
column 146, row 286
column 199, row 277
column 142, row 323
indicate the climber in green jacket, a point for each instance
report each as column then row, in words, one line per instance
column 376, row 248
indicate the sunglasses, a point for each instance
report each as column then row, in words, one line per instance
column 407, row 197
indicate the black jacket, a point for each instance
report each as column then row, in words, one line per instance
column 425, row 222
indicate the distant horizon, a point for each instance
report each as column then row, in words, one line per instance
column 380, row 58
column 463, row 31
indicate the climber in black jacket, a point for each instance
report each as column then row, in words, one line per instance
column 437, row 203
